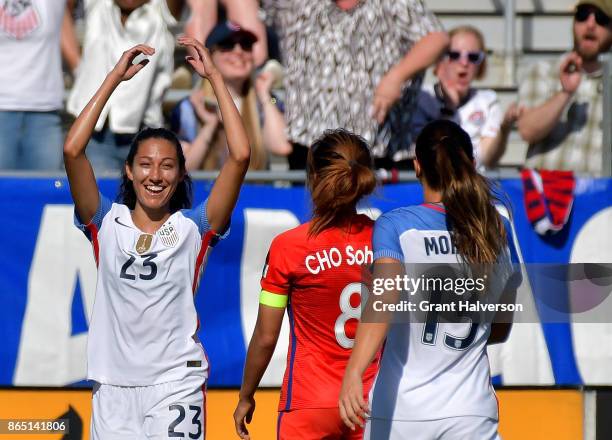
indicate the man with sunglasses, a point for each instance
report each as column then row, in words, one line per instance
column 563, row 119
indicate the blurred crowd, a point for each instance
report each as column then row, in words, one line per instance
column 294, row 69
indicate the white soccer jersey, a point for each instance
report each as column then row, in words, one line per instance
column 432, row 370
column 143, row 325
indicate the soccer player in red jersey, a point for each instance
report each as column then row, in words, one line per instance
column 315, row 272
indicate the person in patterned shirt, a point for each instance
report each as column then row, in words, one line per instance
column 563, row 121
column 355, row 64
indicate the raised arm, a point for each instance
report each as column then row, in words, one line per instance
column 274, row 137
column 83, row 186
column 226, row 189
column 202, row 18
column 537, row 122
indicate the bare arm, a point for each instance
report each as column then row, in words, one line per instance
column 423, row 54
column 71, row 50
column 202, row 18
column 83, row 186
column 261, row 349
column 274, row 137
column 537, row 122
column 226, row 189
column 371, row 333
column 195, row 152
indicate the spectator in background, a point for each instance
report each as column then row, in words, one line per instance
column 563, row 119
column 196, row 119
column 478, row 112
column 205, row 15
column 111, row 28
column 354, row 64
column 31, row 82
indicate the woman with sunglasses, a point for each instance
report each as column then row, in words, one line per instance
column 477, row 111
column 314, row 271
column 196, row 119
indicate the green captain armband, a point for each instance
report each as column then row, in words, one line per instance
column 273, row 299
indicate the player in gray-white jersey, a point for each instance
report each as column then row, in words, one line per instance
column 434, row 380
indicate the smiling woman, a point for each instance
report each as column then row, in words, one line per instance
column 143, row 351
column 154, row 176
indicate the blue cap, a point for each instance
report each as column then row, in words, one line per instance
column 226, row 30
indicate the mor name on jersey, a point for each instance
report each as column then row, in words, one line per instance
column 334, row 257
column 439, row 245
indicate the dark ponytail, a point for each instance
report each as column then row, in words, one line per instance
column 339, row 174
column 446, row 157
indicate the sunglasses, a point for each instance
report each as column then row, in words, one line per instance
column 245, row 44
column 473, row 57
column 583, row 12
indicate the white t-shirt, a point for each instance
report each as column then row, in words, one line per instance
column 433, row 370
column 144, row 322
column 138, row 100
column 30, row 55
column 480, row 116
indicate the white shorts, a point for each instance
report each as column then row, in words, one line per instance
column 167, row 410
column 450, row 428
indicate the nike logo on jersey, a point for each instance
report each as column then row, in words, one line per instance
column 122, row 224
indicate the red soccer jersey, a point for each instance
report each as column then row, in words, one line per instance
column 322, row 276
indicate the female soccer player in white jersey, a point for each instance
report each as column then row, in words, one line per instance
column 148, row 366
column 434, row 380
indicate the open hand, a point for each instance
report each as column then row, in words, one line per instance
column 124, row 68
column 570, row 72
column 200, row 60
column 243, row 415
column 353, row 407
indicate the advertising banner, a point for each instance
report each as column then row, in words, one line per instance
column 48, row 277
